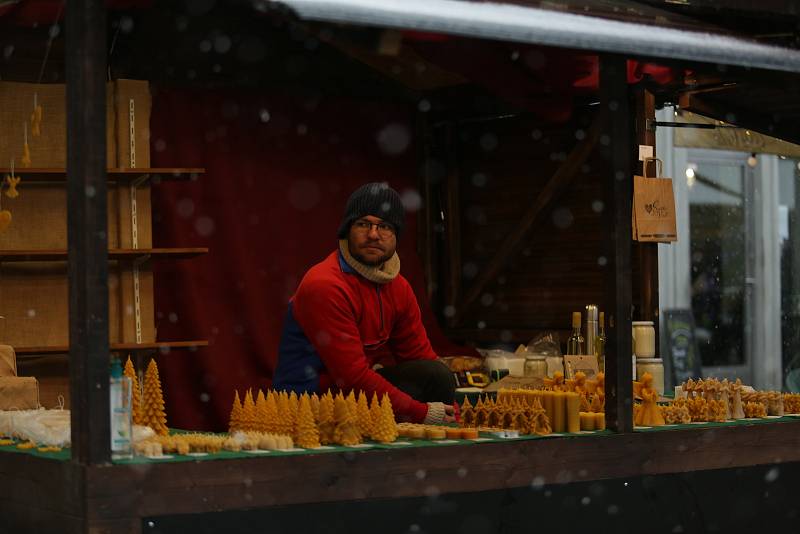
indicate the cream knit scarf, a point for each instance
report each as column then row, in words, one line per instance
column 379, row 274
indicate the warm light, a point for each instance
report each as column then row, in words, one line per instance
column 752, row 161
column 689, row 173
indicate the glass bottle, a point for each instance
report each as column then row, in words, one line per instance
column 600, row 343
column 121, row 412
column 575, row 341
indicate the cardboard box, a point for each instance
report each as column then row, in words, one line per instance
column 19, row 393
column 8, row 361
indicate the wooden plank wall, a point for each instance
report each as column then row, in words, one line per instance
column 560, row 264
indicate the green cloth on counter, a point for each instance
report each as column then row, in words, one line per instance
column 62, row 455
column 735, row 422
column 401, row 443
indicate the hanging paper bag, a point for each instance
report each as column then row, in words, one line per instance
column 653, row 211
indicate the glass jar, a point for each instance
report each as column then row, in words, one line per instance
column 644, row 339
column 535, row 366
column 654, row 366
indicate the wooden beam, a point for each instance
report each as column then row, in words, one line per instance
column 87, row 230
column 614, row 98
column 453, row 222
column 554, row 187
column 764, row 123
column 425, row 226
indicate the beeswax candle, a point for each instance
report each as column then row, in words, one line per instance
column 573, row 403
column 587, row 421
column 559, row 411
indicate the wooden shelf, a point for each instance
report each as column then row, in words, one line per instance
column 113, row 254
column 115, row 174
column 115, row 347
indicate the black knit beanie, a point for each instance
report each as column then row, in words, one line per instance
column 376, row 199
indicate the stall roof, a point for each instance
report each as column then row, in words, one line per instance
column 523, row 22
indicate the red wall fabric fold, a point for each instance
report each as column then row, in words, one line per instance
column 279, row 169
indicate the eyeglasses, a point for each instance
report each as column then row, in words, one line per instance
column 385, row 230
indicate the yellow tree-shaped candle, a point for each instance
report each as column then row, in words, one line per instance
column 307, row 433
column 153, row 412
column 248, row 411
column 284, row 423
column 346, row 431
column 326, row 422
column 235, row 422
column 385, row 427
column 314, row 401
column 271, row 413
column 363, row 416
column 352, row 405
column 261, row 412
column 136, row 392
column 374, row 415
column 294, row 406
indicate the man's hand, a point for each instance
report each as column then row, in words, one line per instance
column 449, row 415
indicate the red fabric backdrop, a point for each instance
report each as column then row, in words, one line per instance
column 279, row 169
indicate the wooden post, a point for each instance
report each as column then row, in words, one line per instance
column 617, row 147
column 87, row 232
column 646, row 253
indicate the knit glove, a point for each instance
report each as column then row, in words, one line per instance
column 435, row 413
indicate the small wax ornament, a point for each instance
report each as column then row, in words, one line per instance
column 755, row 410
column 521, row 422
column 36, row 117
column 12, row 192
column 557, row 382
column 467, row 414
column 648, row 414
column 598, row 386
column 737, row 409
column 481, row 413
column 307, row 434
column 25, row 160
column 153, row 412
column 385, row 427
column 363, row 415
column 235, row 421
column 539, row 422
column 791, row 403
column 5, row 219
column 136, row 392
column 495, row 414
column 326, row 422
column 580, row 382
column 346, row 429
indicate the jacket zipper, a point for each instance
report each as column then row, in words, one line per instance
column 380, row 305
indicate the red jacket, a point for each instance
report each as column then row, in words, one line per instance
column 340, row 324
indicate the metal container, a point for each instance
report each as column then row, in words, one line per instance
column 535, row 366
column 591, row 328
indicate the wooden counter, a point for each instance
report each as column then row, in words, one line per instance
column 46, row 494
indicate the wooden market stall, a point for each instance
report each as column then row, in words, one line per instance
column 523, row 250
